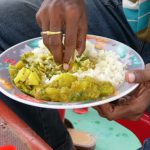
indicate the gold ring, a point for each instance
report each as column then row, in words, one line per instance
column 50, row 33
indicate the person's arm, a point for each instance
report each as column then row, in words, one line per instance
column 68, row 16
column 137, row 13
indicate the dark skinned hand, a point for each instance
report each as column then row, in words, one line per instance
column 68, row 16
column 132, row 106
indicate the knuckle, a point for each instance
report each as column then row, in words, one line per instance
column 41, row 13
column 72, row 6
column 38, row 16
column 73, row 10
column 55, row 5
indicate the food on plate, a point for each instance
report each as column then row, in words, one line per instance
column 95, row 74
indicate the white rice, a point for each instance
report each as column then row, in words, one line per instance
column 108, row 67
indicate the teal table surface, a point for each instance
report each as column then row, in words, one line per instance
column 109, row 134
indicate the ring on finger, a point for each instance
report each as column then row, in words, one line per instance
column 50, row 33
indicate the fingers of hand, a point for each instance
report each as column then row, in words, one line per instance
column 42, row 14
column 45, row 27
column 112, row 112
column 106, row 111
column 132, row 111
column 81, row 36
column 49, row 18
column 55, row 16
column 72, row 20
column 55, row 41
column 139, row 76
column 100, row 112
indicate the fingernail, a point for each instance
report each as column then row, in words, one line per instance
column 131, row 77
column 65, row 66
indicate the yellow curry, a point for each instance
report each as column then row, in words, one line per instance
column 31, row 73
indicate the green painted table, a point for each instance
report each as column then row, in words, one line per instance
column 109, row 134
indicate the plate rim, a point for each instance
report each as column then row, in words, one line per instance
column 71, row 105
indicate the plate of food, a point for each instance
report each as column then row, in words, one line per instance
column 28, row 74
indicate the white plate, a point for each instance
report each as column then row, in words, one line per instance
column 13, row 54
